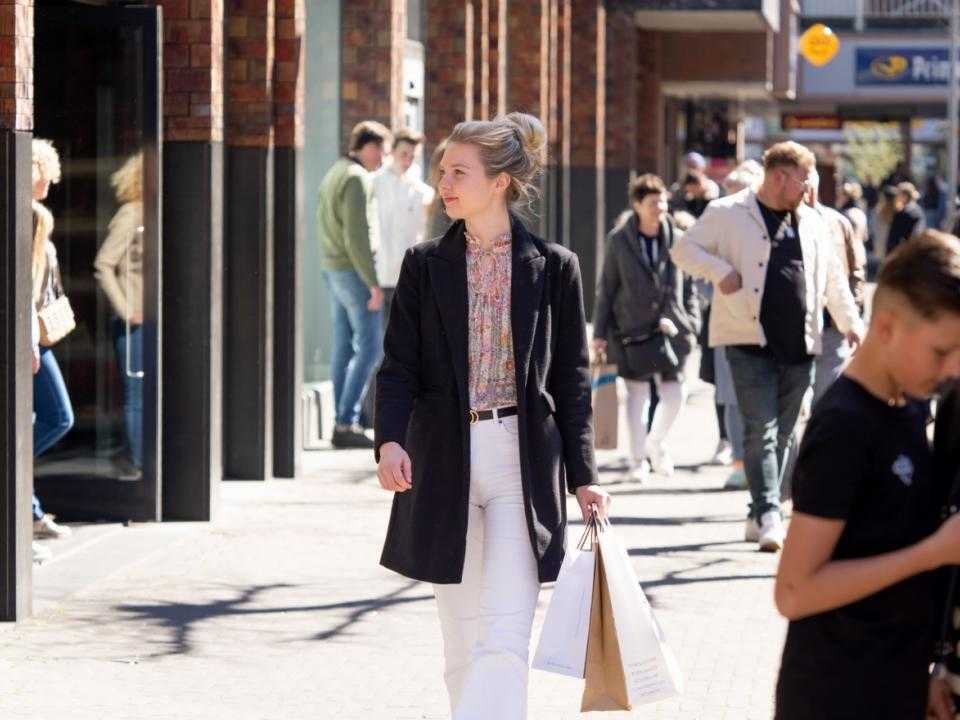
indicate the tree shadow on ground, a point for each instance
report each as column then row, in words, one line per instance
column 182, row 619
column 677, row 577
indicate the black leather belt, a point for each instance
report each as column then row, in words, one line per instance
column 478, row 415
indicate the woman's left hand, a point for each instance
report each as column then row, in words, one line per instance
column 589, row 495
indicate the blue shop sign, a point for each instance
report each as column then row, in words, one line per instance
column 903, row 66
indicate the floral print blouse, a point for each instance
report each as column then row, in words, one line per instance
column 492, row 373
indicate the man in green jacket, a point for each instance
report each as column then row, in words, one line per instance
column 346, row 252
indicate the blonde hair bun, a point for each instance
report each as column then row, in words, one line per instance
column 533, row 135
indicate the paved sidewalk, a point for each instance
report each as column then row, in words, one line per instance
column 279, row 609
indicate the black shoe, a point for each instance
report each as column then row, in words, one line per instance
column 350, row 437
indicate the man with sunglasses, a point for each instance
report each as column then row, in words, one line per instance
column 775, row 269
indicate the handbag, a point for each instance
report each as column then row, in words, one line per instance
column 648, row 355
column 56, row 317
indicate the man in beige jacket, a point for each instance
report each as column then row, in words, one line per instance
column 775, row 270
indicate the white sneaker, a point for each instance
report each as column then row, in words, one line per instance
column 41, row 554
column 47, row 527
column 751, row 532
column 660, row 461
column 639, row 472
column 772, row 532
column 724, row 454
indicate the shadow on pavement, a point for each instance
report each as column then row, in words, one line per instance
column 182, row 619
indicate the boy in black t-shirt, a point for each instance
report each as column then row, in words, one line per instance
column 854, row 577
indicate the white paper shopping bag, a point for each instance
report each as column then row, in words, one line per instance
column 650, row 670
column 563, row 640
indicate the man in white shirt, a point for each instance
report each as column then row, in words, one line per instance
column 402, row 199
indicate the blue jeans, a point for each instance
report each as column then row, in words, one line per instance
column 357, row 342
column 132, row 384
column 770, row 396
column 831, row 361
column 53, row 415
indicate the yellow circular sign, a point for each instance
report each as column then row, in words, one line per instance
column 819, row 44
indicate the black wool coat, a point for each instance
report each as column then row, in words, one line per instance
column 423, row 401
column 633, row 295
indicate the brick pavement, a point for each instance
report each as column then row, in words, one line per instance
column 278, row 609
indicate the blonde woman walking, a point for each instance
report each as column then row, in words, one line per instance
column 118, row 268
column 483, row 414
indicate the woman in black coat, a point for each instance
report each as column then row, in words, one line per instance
column 646, row 319
column 483, row 415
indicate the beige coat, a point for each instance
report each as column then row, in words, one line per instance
column 118, row 266
column 732, row 235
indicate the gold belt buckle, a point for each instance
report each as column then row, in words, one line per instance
column 474, row 416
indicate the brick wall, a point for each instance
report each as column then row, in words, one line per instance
column 446, row 76
column 527, row 52
column 249, row 84
column 371, row 73
column 16, row 64
column 288, row 87
column 585, row 133
column 193, row 69
column 737, row 57
column 649, row 110
column 620, row 119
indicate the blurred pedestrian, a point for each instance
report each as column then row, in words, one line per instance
column 438, row 222
column 402, row 200
column 644, row 307
column 836, row 350
column 483, row 414
column 850, row 203
column 356, row 298
column 855, row 578
column 908, row 220
column 774, row 269
column 118, row 268
column 53, row 413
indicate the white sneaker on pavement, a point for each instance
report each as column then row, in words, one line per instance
column 47, row 527
column 724, row 454
column 772, row 532
column 639, row 472
column 751, row 532
column 41, row 554
column 660, row 461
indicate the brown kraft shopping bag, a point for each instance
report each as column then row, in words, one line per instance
column 606, row 686
column 603, row 381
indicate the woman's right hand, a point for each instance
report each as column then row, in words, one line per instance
column 394, row 471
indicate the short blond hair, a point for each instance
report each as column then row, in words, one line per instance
column 46, row 161
column 127, row 182
column 789, row 153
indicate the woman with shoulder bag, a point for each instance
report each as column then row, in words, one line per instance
column 53, row 414
column 483, row 415
column 646, row 317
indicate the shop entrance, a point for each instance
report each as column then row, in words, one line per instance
column 97, row 98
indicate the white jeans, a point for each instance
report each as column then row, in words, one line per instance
column 638, row 410
column 486, row 620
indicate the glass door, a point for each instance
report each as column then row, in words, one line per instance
column 97, row 99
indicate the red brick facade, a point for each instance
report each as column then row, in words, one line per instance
column 446, row 88
column 373, row 32
column 249, row 82
column 16, row 64
column 288, row 87
column 192, row 70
